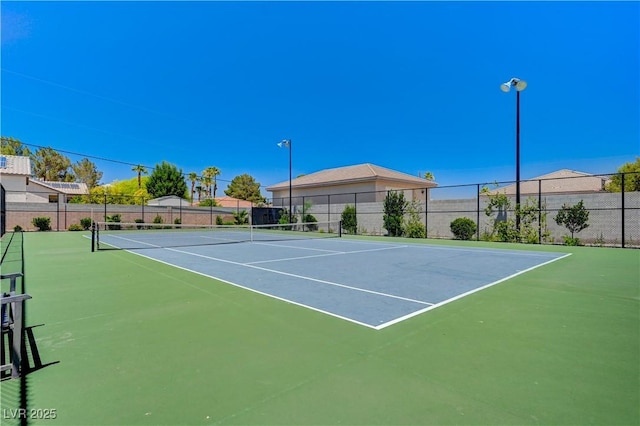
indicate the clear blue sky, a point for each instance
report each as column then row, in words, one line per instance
column 412, row 86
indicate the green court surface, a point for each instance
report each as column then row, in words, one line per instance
column 143, row 343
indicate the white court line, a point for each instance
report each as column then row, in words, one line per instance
column 389, row 246
column 303, row 277
column 295, row 247
column 437, row 305
column 446, row 248
column 323, row 255
column 313, row 308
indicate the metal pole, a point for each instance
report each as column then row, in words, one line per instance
column 478, row 212
column 426, row 212
column 622, row 205
column 540, row 211
column 290, row 200
column 518, row 163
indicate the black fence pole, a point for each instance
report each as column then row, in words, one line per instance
column 478, row 212
column 540, row 211
column 622, row 205
column 143, row 210
column 105, row 207
column 328, row 208
column 426, row 213
column 355, row 206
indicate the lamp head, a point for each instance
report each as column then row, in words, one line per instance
column 520, row 85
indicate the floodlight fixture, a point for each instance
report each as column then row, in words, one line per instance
column 520, row 85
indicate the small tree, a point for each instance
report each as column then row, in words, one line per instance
column 463, row 228
column 631, row 172
column 394, row 209
column 165, row 180
column 575, row 219
column 246, row 188
column 415, row 227
column 349, row 219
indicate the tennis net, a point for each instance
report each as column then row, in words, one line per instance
column 129, row 236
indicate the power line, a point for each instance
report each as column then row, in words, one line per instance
column 93, row 157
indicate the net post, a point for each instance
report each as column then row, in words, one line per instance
column 340, row 229
column 93, row 237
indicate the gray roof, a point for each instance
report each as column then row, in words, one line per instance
column 352, row 174
column 15, row 165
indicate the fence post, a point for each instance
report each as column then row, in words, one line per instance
column 622, row 205
column 328, row 208
column 143, row 210
column 426, row 212
column 355, row 206
column 105, row 207
column 478, row 212
column 540, row 211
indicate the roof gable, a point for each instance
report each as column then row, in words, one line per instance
column 349, row 174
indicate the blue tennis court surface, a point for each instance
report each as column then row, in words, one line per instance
column 374, row 284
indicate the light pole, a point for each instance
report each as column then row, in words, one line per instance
column 520, row 85
column 286, row 143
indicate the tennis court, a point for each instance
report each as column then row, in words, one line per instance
column 129, row 339
column 371, row 283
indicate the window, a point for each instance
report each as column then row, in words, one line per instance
column 53, row 198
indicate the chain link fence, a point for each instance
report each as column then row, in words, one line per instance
column 613, row 209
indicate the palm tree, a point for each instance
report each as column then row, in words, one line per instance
column 193, row 177
column 206, row 183
column 429, row 176
column 211, row 173
column 140, row 169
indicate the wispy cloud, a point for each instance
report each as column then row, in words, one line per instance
column 15, row 26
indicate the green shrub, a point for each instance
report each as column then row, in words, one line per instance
column 219, row 220
column 76, row 227
column 139, row 221
column 505, row 231
column 241, row 217
column 415, row 230
column 42, row 223
column 349, row 219
column 177, row 221
column 17, row 228
column 158, row 219
column 571, row 241
column 310, row 222
column 86, row 222
column 116, row 218
column 463, row 228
